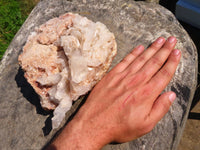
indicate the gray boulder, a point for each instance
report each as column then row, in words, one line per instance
column 25, row 125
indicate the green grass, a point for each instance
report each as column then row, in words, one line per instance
column 13, row 13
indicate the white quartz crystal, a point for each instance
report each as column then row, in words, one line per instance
column 64, row 58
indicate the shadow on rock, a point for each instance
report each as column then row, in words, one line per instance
column 31, row 96
column 82, row 100
column 48, row 125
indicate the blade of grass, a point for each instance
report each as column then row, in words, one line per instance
column 13, row 13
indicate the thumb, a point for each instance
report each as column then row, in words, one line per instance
column 161, row 106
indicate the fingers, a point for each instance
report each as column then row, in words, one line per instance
column 161, row 79
column 157, row 61
column 129, row 59
column 161, row 107
column 145, row 56
column 142, row 66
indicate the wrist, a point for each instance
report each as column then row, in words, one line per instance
column 82, row 134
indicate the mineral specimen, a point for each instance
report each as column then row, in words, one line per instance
column 64, row 58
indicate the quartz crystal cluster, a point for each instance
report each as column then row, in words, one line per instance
column 64, row 58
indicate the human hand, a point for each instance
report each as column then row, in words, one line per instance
column 126, row 103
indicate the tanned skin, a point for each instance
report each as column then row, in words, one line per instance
column 126, row 103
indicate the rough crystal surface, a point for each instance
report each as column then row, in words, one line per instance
column 64, row 58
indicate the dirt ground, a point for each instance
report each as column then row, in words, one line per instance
column 191, row 136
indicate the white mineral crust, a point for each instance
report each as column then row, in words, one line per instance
column 64, row 58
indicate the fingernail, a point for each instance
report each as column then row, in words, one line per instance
column 172, row 97
column 176, row 52
column 160, row 40
column 140, row 47
column 171, row 39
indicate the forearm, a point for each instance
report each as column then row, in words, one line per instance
column 79, row 135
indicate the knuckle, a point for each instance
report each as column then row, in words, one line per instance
column 129, row 57
column 166, row 72
column 133, row 54
column 136, row 79
column 154, row 46
column 118, row 77
column 173, row 59
column 115, row 78
column 146, row 127
column 118, row 68
column 141, row 58
column 165, row 106
column 146, row 92
column 149, row 127
column 156, row 61
column 132, row 81
column 125, row 60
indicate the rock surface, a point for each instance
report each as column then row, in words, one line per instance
column 25, row 125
